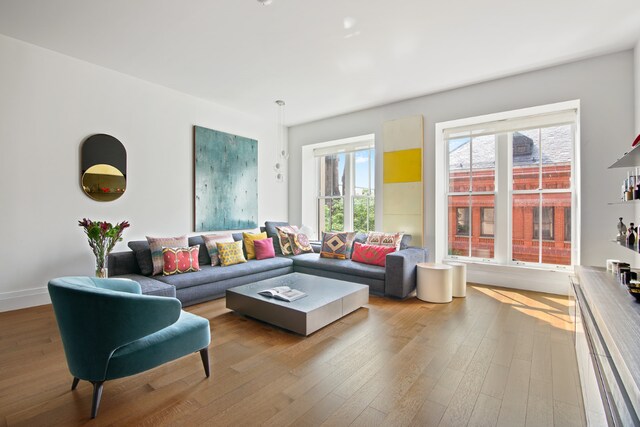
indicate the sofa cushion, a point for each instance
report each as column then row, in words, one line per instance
column 270, row 227
column 264, row 248
column 157, row 243
column 299, row 243
column 180, row 260
column 230, row 253
column 371, row 254
column 248, row 239
column 344, row 266
column 404, row 243
column 337, row 245
column 210, row 241
column 143, row 256
column 209, row 274
column 203, row 253
column 385, row 239
column 283, row 238
column 150, row 286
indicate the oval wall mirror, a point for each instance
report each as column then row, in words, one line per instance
column 103, row 169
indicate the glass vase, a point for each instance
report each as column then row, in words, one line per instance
column 101, row 266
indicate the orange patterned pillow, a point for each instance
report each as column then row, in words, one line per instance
column 283, row 238
column 299, row 243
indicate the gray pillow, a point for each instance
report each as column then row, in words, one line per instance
column 143, row 256
column 404, row 243
column 203, row 253
column 270, row 227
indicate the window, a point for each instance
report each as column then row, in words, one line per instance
column 518, row 166
column 567, row 224
column 462, row 221
column 486, row 222
column 546, row 223
column 346, row 193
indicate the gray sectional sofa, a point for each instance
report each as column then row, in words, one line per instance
column 397, row 279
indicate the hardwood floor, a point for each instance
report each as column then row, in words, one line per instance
column 498, row 357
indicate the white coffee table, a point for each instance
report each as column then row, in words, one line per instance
column 327, row 300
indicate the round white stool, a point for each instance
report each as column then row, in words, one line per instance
column 434, row 282
column 459, row 279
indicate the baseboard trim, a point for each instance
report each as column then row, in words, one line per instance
column 23, row 299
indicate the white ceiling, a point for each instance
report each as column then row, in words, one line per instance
column 244, row 55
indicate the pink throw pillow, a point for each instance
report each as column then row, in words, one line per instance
column 371, row 254
column 264, row 248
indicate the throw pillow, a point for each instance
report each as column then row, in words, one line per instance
column 230, row 253
column 336, row 245
column 249, row 239
column 283, row 238
column 299, row 243
column 157, row 243
column 385, row 239
column 264, row 248
column 143, row 256
column 210, row 241
column 270, row 228
column 180, row 260
column 371, row 254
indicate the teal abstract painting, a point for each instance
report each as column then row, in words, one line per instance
column 225, row 181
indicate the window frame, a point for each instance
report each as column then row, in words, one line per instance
column 482, row 221
column 538, row 211
column 503, row 204
column 467, row 223
column 349, row 194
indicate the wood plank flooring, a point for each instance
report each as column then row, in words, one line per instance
column 496, row 358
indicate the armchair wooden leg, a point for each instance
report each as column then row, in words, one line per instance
column 204, row 354
column 75, row 383
column 97, row 394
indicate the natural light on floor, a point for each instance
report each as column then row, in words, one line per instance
column 552, row 310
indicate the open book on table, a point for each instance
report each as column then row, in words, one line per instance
column 283, row 293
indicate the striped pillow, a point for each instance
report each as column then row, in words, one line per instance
column 157, row 243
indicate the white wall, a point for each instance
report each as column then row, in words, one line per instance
column 602, row 84
column 637, row 85
column 49, row 103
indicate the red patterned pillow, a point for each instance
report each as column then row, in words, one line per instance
column 371, row 254
column 180, row 260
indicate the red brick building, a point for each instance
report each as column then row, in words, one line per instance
column 477, row 223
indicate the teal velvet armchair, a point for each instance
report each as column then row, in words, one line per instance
column 109, row 330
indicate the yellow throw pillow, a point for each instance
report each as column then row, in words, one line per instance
column 230, row 253
column 248, row 239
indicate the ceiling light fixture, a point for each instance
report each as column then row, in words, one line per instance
column 283, row 156
column 265, row 2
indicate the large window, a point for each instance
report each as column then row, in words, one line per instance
column 346, row 190
column 508, row 187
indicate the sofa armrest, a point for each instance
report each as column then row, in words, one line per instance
column 120, row 263
column 400, row 273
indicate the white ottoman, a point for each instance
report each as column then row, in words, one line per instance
column 434, row 282
column 459, row 279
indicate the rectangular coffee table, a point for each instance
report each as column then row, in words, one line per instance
column 327, row 300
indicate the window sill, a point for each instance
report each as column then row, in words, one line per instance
column 496, row 265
